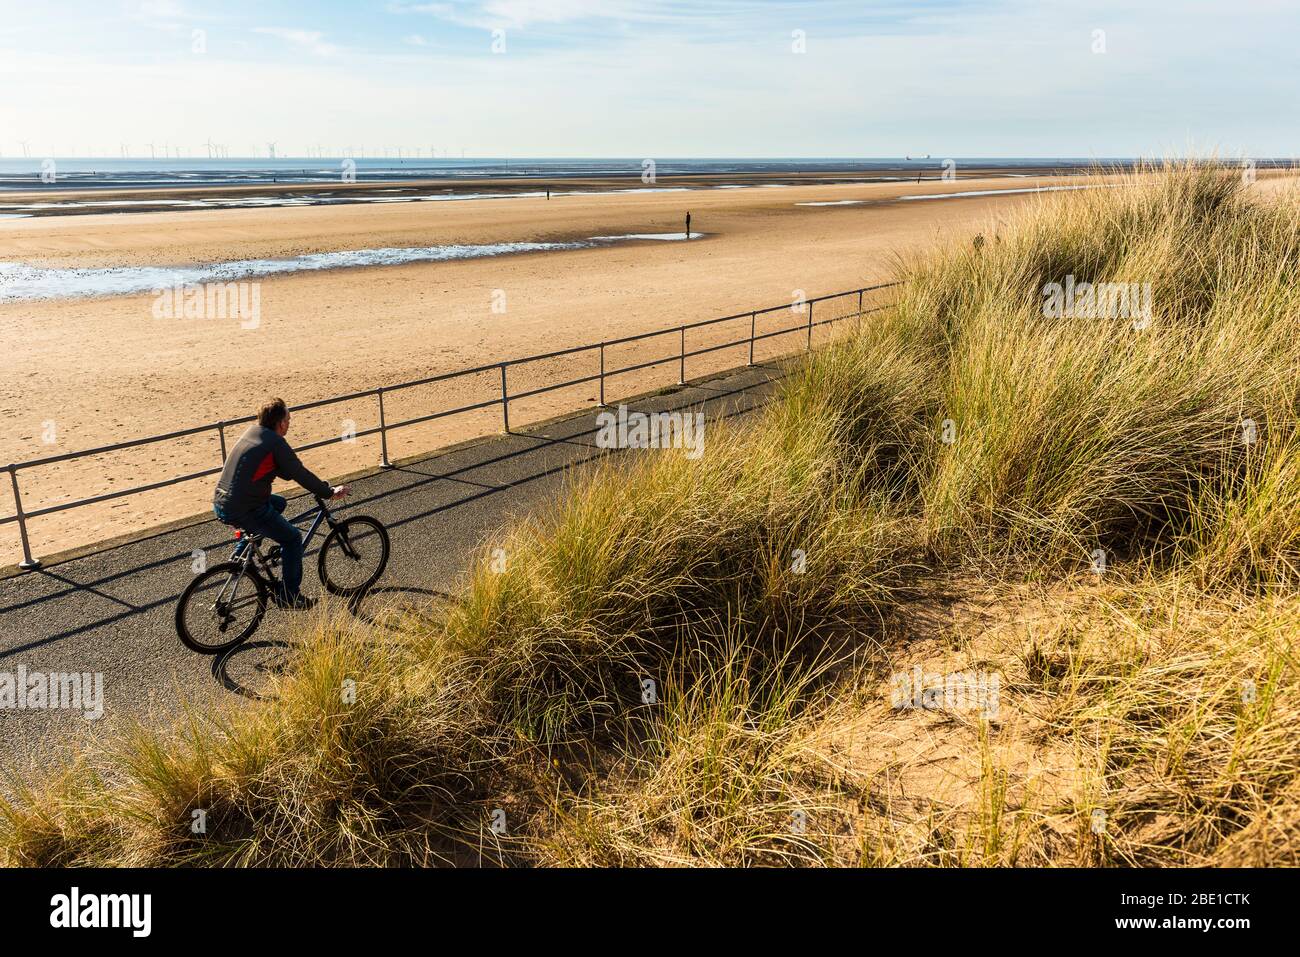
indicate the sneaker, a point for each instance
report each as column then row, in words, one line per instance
column 298, row 602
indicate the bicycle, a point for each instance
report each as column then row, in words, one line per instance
column 234, row 594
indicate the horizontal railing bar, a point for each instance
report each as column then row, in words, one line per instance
column 759, row 312
column 553, row 388
column 317, row 403
column 729, row 345
column 719, row 348
column 320, row 443
column 642, row 365
column 109, row 496
column 637, row 337
column 439, row 415
column 623, row 340
column 116, row 447
column 443, row 377
column 541, row 357
column 782, row 332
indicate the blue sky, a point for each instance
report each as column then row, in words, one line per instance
column 635, row 78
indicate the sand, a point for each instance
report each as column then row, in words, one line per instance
column 95, row 371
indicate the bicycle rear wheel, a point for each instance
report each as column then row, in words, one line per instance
column 354, row 555
column 220, row 608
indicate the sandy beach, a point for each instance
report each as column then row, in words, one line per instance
column 77, row 373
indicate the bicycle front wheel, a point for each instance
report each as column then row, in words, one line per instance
column 354, row 555
column 220, row 608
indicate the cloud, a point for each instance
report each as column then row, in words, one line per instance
column 521, row 13
column 415, row 40
column 518, row 14
column 311, row 40
column 161, row 10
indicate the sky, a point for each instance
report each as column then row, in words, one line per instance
column 635, row 78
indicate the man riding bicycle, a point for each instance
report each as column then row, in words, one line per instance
column 243, row 497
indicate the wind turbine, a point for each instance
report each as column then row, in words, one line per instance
column 26, row 151
column 270, row 150
column 124, row 149
column 208, row 144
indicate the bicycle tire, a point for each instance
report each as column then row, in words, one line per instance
column 360, row 528
column 260, row 597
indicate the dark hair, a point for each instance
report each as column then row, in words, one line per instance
column 272, row 413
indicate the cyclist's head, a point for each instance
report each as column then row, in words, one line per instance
column 274, row 414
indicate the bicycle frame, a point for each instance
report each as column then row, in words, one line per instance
column 250, row 556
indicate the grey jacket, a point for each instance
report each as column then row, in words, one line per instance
column 259, row 457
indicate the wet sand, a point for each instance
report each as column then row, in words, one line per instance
column 56, row 201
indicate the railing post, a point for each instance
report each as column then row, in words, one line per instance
column 810, row 305
column 221, row 434
column 602, row 375
column 859, row 303
column 752, row 320
column 28, row 561
column 383, row 433
column 505, row 400
column 681, row 369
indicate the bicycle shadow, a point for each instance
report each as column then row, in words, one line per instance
column 395, row 615
column 276, row 654
column 270, row 658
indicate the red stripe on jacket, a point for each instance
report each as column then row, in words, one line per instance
column 266, row 468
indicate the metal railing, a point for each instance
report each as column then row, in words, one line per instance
column 23, row 516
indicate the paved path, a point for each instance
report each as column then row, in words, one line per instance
column 111, row 611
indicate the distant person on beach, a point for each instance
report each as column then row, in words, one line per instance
column 548, row 193
column 243, row 497
column 688, row 224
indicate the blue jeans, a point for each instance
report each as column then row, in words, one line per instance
column 269, row 520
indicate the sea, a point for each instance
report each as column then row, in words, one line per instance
column 64, row 173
